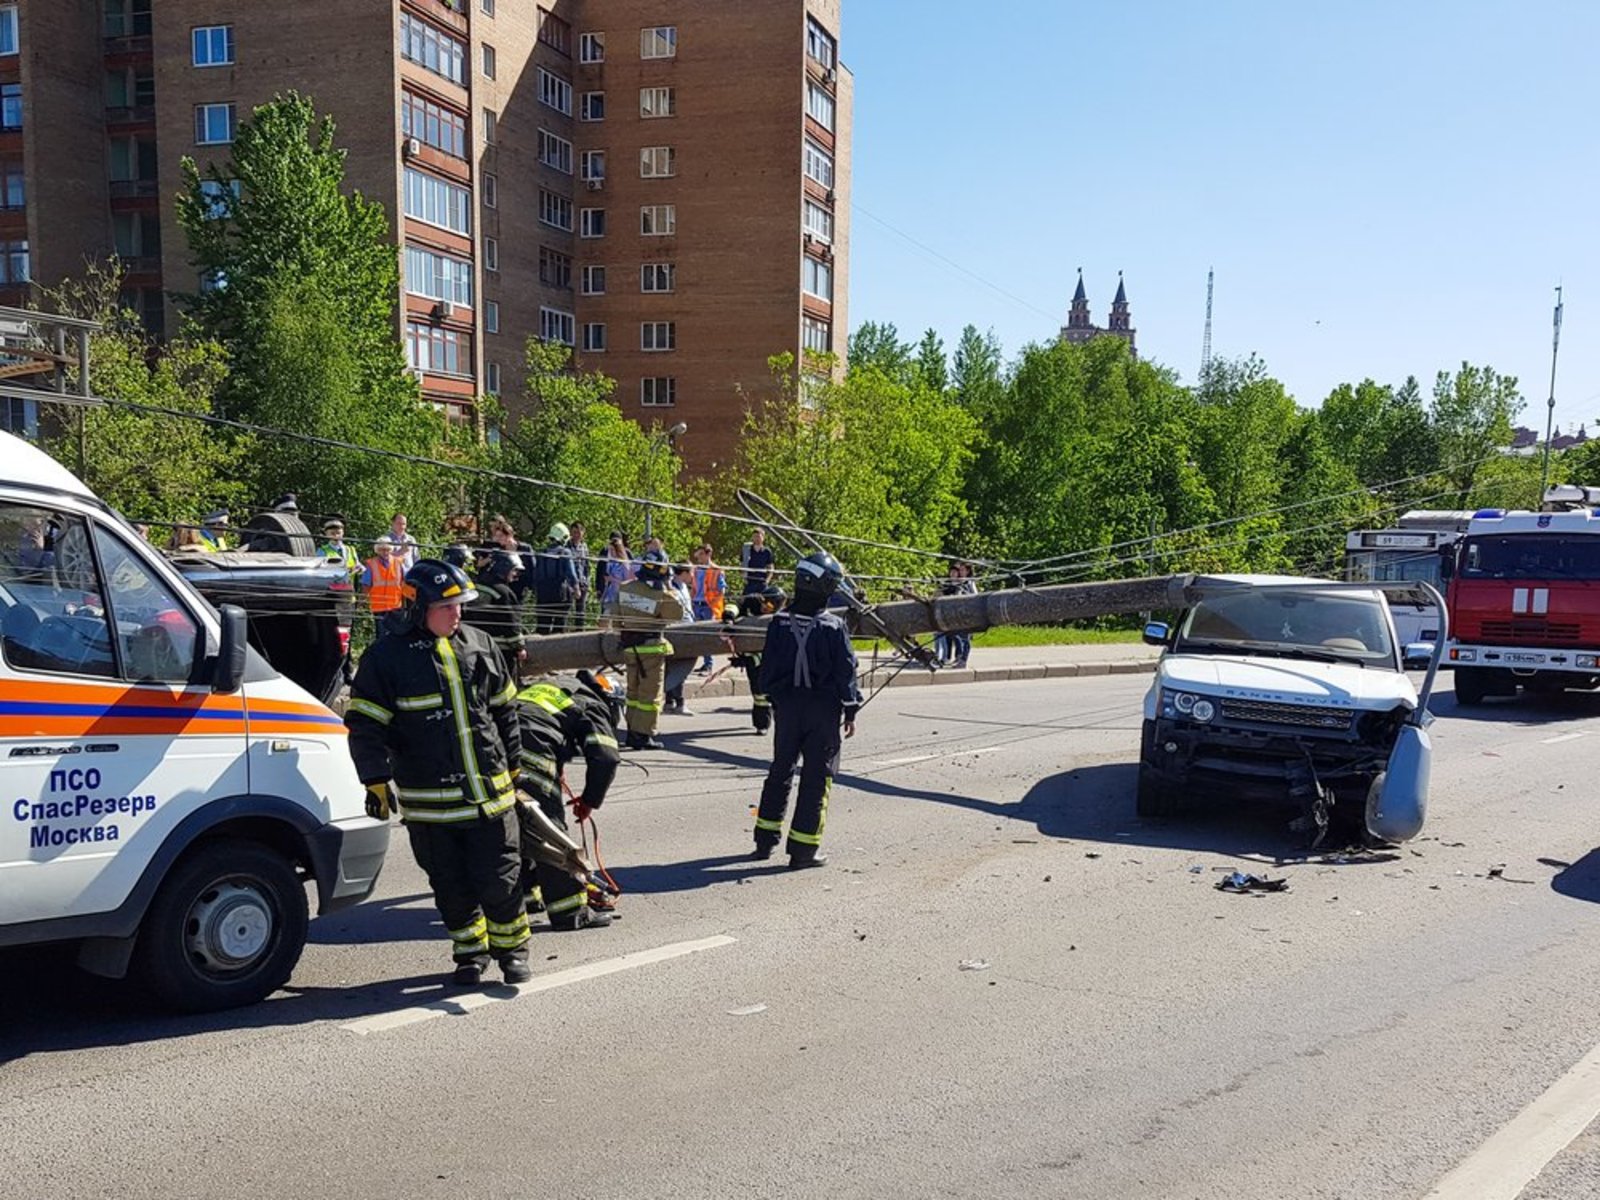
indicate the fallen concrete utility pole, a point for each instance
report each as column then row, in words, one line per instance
column 941, row 614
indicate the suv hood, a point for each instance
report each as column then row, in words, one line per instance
column 1287, row 681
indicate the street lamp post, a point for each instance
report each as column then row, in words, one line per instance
column 657, row 439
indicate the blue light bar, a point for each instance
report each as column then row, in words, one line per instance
column 1493, row 514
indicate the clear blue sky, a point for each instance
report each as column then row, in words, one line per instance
column 1383, row 189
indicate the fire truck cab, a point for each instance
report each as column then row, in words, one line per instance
column 1524, row 598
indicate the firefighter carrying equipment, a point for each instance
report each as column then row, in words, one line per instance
column 646, row 609
column 561, row 721
column 438, row 717
column 808, row 669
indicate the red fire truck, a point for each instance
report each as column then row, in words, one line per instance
column 1524, row 598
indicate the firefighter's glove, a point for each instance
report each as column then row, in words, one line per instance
column 382, row 802
column 581, row 811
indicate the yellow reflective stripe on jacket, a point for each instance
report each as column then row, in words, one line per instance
column 547, row 696
column 508, row 693
column 368, row 709
column 600, row 739
column 542, row 763
column 430, row 794
column 418, row 703
column 458, row 696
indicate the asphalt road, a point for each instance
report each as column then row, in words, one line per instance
column 1121, row 1029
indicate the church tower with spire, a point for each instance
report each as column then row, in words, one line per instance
column 1079, row 329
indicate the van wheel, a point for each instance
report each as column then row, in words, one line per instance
column 1155, row 797
column 226, row 928
column 1471, row 684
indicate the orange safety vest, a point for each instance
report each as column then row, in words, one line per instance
column 383, row 594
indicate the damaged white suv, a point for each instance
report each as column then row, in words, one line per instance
column 1287, row 689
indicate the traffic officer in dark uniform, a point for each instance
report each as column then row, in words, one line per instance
column 562, row 720
column 808, row 670
column 433, row 730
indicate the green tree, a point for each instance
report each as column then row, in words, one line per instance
column 303, row 281
column 157, row 469
column 878, row 346
column 977, row 370
column 1471, row 416
column 931, row 366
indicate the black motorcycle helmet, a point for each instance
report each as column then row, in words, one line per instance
column 433, row 582
column 818, row 575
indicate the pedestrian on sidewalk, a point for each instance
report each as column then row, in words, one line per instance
column 678, row 668
column 710, row 592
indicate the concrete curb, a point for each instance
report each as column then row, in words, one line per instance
column 916, row 677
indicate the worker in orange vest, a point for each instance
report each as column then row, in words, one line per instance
column 709, row 592
column 382, row 577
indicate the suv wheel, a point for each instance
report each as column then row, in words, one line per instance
column 1155, row 796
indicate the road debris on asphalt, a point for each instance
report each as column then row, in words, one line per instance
column 973, row 964
column 749, row 1010
column 1242, row 884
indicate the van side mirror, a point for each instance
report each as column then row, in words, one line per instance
column 1447, row 563
column 227, row 672
column 1155, row 634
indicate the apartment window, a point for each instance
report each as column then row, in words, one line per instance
column 219, row 197
column 555, row 152
column 491, row 125
column 658, row 392
column 554, row 32
column 136, row 235
column 488, row 61
column 438, row 202
column 592, row 223
column 658, row 220
column 658, row 102
column 816, row 277
column 657, row 336
column 132, row 158
column 555, row 210
column 14, row 264
column 594, row 164
column 213, row 45
column 557, row 326
column 819, row 43
column 435, row 349
column 555, row 268
column 555, row 91
column 124, row 18
column 13, row 184
column 593, row 106
column 487, row 7
column 433, row 125
column 820, row 105
column 8, row 29
column 819, row 164
column 594, row 281
column 433, row 48
column 660, row 41
column 491, row 316
column 491, row 381
column 438, row 276
column 491, row 254
column 10, row 106
column 658, row 277
column 591, row 47
column 594, row 337
column 491, row 190
column 657, row 162
column 213, row 124
column 818, row 221
column 817, row 336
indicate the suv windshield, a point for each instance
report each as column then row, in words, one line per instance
column 1326, row 626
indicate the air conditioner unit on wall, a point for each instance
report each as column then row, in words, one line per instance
column 830, row 76
column 829, row 196
column 444, row 310
column 596, row 184
column 410, row 148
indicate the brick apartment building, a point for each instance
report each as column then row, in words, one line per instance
column 663, row 184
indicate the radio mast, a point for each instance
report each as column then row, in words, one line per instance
column 1205, row 345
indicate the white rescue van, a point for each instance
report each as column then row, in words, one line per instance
column 167, row 796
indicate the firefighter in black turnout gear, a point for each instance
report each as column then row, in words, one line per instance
column 560, row 721
column 433, row 730
column 808, row 670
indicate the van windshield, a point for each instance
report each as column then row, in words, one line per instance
column 1323, row 626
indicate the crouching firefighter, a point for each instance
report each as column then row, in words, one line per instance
column 561, row 721
column 808, row 670
column 647, row 607
column 434, row 731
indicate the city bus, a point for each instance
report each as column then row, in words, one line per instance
column 1409, row 549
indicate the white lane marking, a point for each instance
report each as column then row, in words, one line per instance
column 457, row 1005
column 917, row 758
column 1563, row 737
column 1506, row 1163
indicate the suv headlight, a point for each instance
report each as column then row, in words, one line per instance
column 1186, row 704
column 1183, row 702
column 1204, row 710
